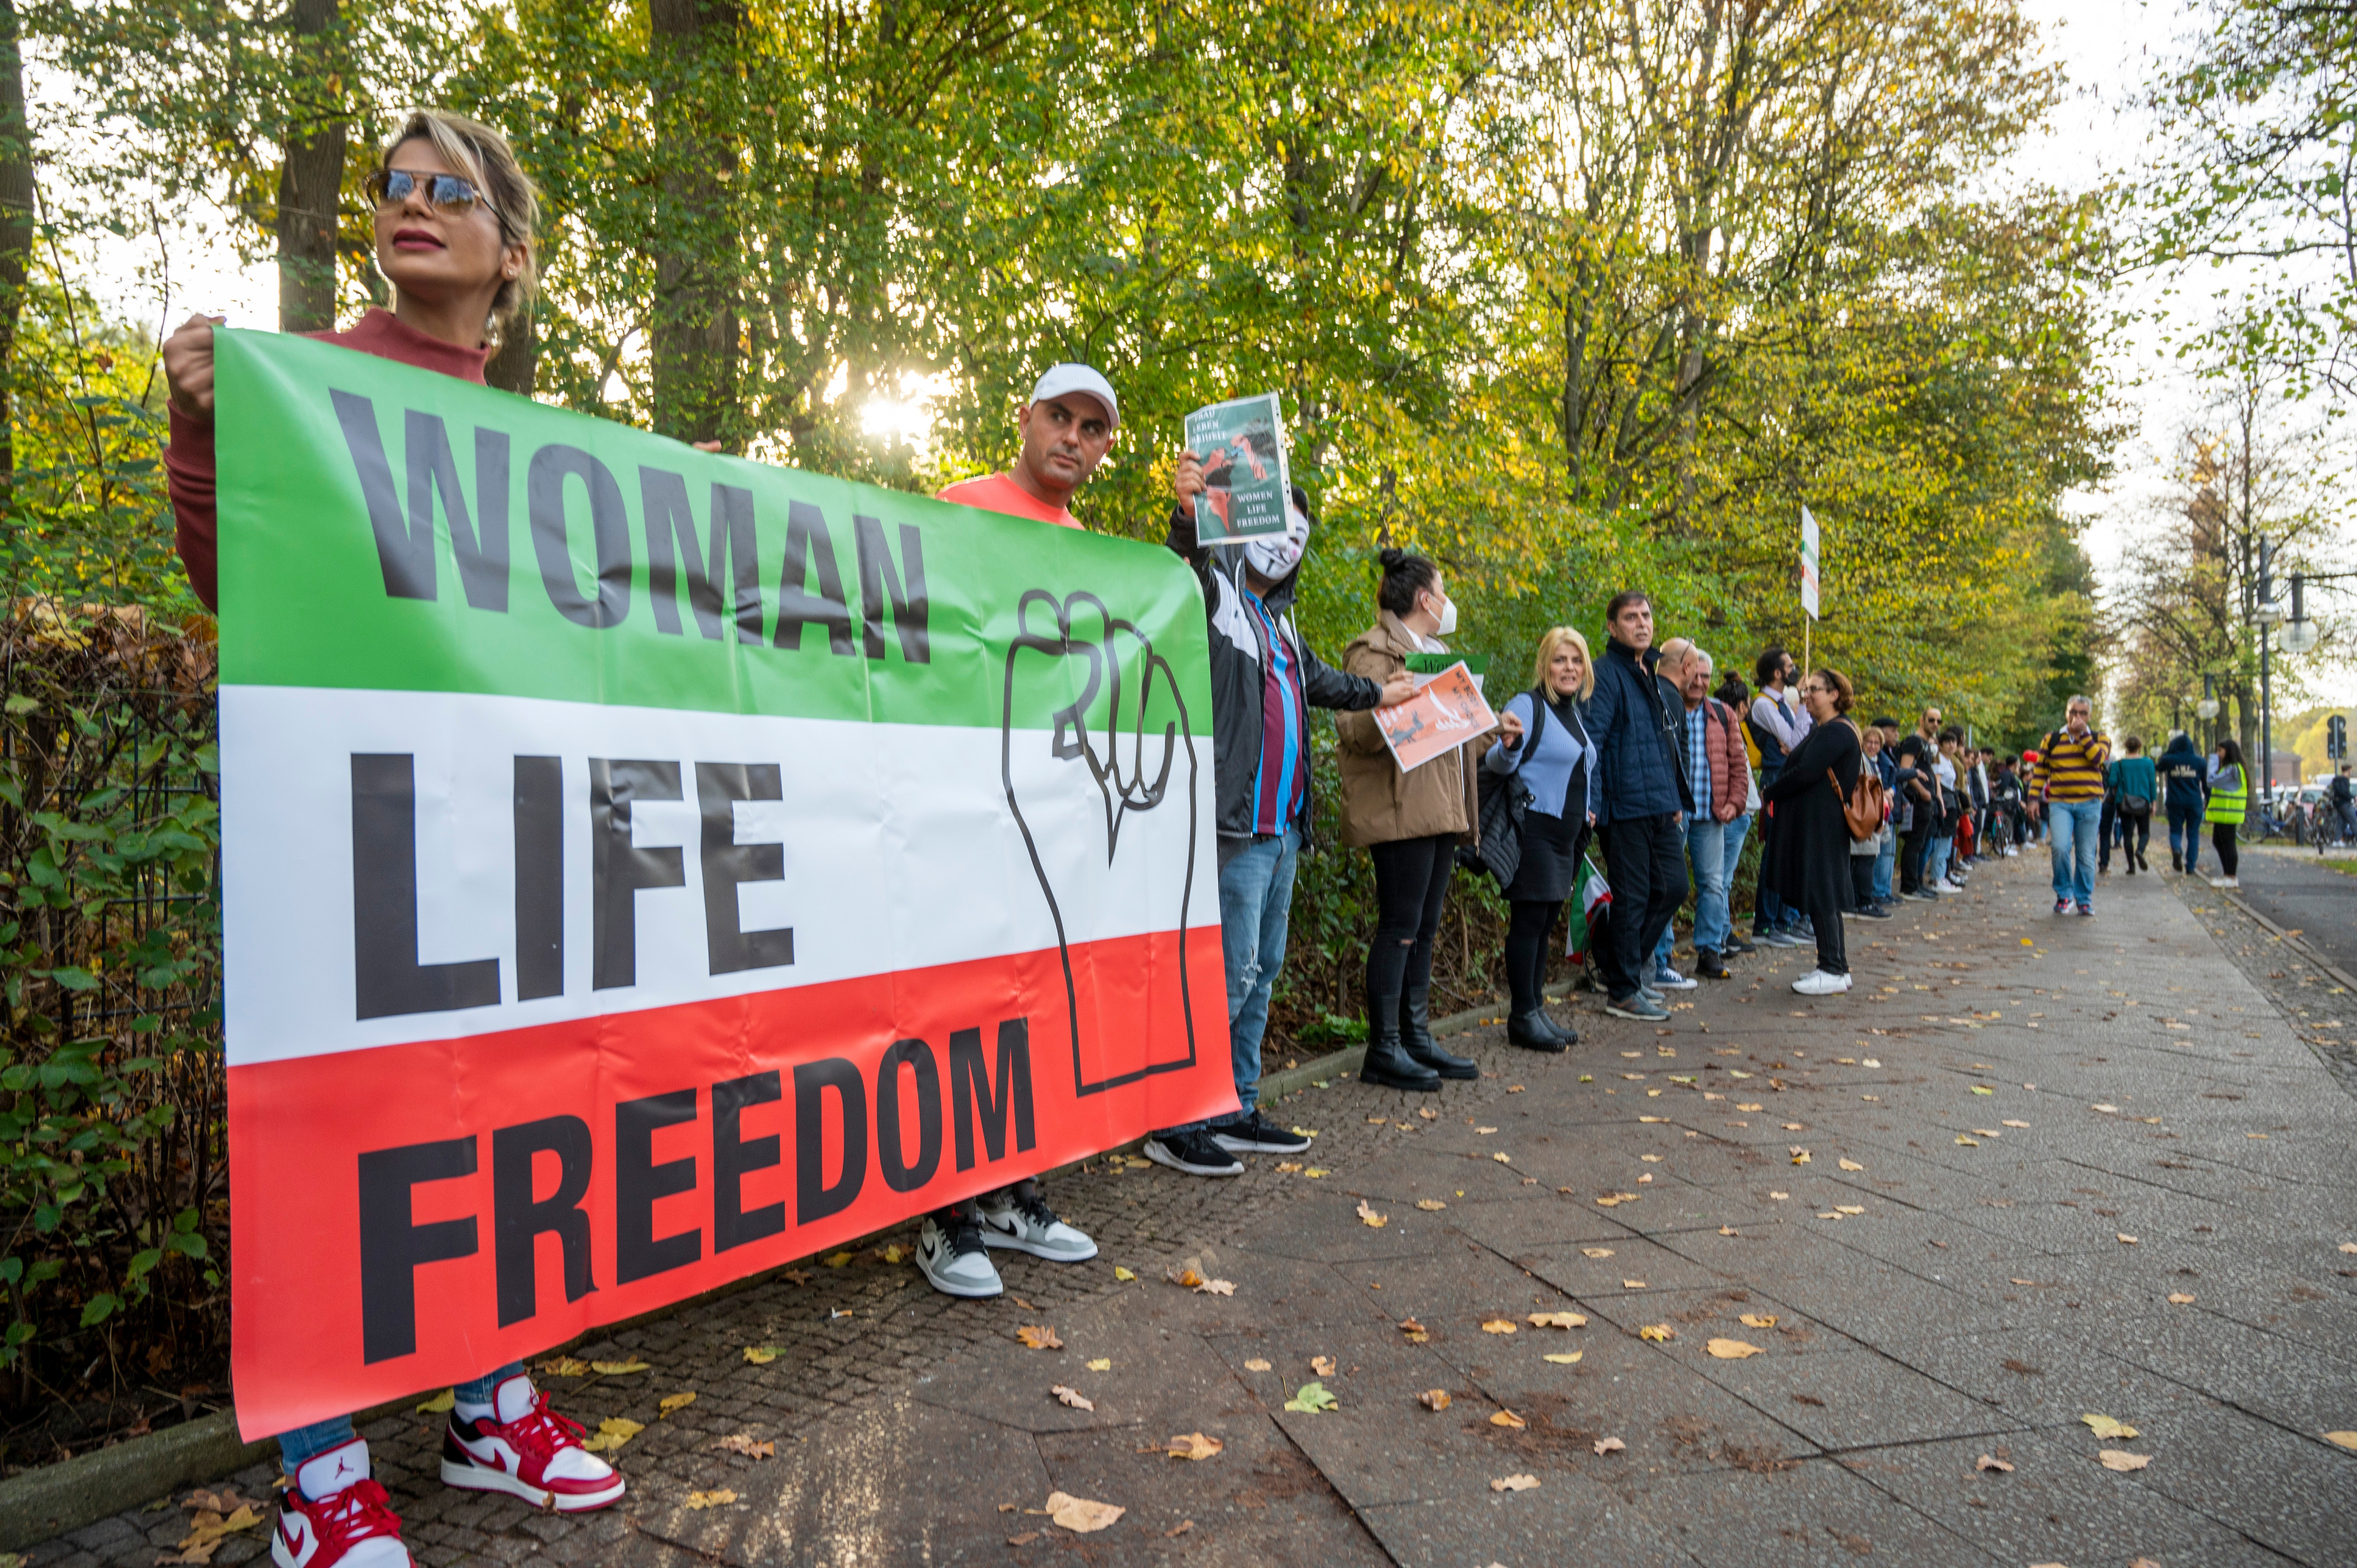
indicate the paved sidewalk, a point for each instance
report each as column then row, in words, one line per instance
column 2023, row 1136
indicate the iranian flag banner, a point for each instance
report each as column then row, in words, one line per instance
column 645, row 867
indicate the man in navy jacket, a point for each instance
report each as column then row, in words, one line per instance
column 1637, row 721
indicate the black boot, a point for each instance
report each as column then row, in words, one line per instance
column 1415, row 1036
column 1709, row 965
column 1387, row 1066
column 1534, row 1031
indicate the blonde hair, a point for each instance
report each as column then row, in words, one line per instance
column 1554, row 639
column 484, row 155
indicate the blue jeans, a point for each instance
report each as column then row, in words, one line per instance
column 1936, row 864
column 2185, row 833
column 1886, row 860
column 1706, row 852
column 1255, row 898
column 2073, row 827
column 307, row 1442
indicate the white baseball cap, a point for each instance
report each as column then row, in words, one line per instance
column 1062, row 379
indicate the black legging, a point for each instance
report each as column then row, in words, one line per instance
column 2136, row 837
column 1411, row 882
column 2222, row 838
column 1527, row 933
column 1824, row 911
column 1912, row 848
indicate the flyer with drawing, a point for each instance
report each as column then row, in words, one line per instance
column 1445, row 712
column 1242, row 446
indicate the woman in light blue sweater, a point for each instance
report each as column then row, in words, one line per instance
column 1546, row 748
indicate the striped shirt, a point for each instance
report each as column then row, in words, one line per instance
column 1281, row 782
column 1698, row 760
column 2072, row 770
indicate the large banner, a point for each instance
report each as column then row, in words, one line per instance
column 645, row 867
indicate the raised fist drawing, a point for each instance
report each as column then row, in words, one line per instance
column 1098, row 758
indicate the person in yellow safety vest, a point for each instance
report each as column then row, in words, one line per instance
column 2230, row 802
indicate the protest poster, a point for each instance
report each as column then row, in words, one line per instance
column 1242, row 446
column 1423, row 667
column 643, row 867
column 1446, row 710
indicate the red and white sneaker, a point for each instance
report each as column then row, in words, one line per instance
column 526, row 1448
column 334, row 1516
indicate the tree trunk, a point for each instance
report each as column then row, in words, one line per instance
column 516, row 364
column 311, row 180
column 15, row 228
column 695, row 336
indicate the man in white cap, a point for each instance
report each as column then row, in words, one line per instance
column 1067, row 426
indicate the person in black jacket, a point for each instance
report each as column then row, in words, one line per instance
column 2184, row 792
column 1265, row 681
column 1808, row 854
column 1636, row 720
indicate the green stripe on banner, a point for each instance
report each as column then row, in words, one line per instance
column 1437, row 663
column 401, row 529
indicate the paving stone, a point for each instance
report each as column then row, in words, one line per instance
column 1816, row 1514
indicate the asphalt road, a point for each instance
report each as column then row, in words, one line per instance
column 2291, row 888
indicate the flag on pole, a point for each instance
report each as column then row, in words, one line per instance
column 1809, row 569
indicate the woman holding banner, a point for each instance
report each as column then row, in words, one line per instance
column 1411, row 823
column 1544, row 744
column 455, row 219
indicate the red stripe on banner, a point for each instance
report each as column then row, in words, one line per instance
column 412, row 1216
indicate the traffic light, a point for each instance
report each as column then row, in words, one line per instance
column 2336, row 739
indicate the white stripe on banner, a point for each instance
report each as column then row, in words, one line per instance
column 897, row 843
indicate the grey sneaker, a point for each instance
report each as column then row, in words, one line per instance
column 1640, row 1006
column 1028, row 1225
column 1780, row 938
column 951, row 1256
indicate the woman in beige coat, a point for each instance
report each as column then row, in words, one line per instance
column 1411, row 823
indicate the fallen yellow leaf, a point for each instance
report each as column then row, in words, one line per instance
column 1258, row 1365
column 835, row 1260
column 1368, row 1216
column 2121, row 1459
column 1502, row 1159
column 671, row 1403
column 1509, row 1419
column 612, row 1432
column 1079, row 1514
column 2179, row 1298
column 1850, row 1166
column 1514, row 1483
column 618, row 1369
column 1968, row 1143
column 1434, row 1399
column 564, row 1366
column 1596, row 1251
column 1324, row 1365
column 1217, row 1287
column 2126, row 1237
column 1497, row 1326
column 1757, row 1320
column 1123, row 1276
column 761, row 1355
column 2344, row 1439
column 440, row 1403
column 749, row 1447
column 1849, row 1208
column 1657, row 1332
column 1732, row 1349
column 2012, row 1123
column 1073, row 1397
column 1195, row 1445
column 1985, row 1463
column 1102, row 1364
column 1564, row 1359
column 711, row 1499
column 1430, row 1205
column 1558, row 1320
column 1608, row 1445
column 1037, row 1337
column 2104, row 1426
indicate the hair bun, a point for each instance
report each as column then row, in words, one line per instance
column 1391, row 558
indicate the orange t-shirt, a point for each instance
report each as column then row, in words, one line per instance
column 999, row 492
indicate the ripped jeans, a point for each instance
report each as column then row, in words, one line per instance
column 1255, row 898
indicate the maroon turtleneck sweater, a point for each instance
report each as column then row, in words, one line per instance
column 188, row 460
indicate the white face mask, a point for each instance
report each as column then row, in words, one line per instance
column 1275, row 555
column 1447, row 618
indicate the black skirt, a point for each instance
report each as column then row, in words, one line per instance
column 1550, row 863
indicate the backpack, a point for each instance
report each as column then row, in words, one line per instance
column 1504, row 799
column 1862, row 807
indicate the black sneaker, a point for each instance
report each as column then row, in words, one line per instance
column 1255, row 1134
column 1875, row 912
column 1193, row 1152
column 1741, row 945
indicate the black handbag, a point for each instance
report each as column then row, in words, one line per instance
column 1505, row 799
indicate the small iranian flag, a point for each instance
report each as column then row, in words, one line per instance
column 1590, row 894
